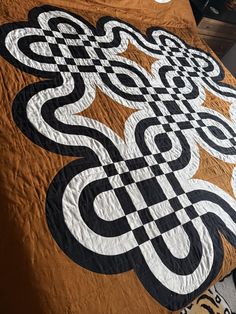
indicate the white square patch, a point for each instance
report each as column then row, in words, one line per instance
column 184, row 200
column 121, row 167
column 152, row 230
column 150, row 159
column 134, row 220
column 182, row 216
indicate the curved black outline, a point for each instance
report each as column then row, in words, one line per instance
column 132, row 259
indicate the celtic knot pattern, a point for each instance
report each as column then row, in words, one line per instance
column 128, row 204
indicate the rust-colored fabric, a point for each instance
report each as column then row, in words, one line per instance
column 104, row 109
column 36, row 276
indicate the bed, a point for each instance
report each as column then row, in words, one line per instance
column 118, row 152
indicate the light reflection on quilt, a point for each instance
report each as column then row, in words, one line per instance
column 128, row 203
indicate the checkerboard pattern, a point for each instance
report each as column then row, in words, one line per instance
column 73, row 52
column 140, row 186
column 77, row 52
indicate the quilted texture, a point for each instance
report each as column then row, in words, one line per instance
column 118, row 153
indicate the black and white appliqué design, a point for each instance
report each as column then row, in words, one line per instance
column 128, row 204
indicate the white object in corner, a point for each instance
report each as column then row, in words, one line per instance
column 162, row 1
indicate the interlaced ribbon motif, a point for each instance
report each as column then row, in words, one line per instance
column 128, row 204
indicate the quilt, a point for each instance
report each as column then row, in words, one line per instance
column 118, row 152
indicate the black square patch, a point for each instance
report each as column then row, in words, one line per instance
column 100, row 54
column 156, row 169
column 170, row 119
column 79, row 52
column 200, row 122
column 144, row 90
column 159, row 158
column 60, row 40
column 126, row 178
column 70, row 61
column 97, row 62
column 140, row 235
column 155, row 97
column 176, row 186
column 183, row 61
column 155, row 108
column 63, row 68
column 145, row 215
column 167, row 223
column 189, row 116
column 167, row 127
column 172, row 107
column 56, row 51
column 110, row 170
column 48, row 33
column 137, row 163
column 91, row 38
column 86, row 43
column 109, row 70
column 125, row 200
column 175, row 203
column 191, row 212
column 151, row 191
